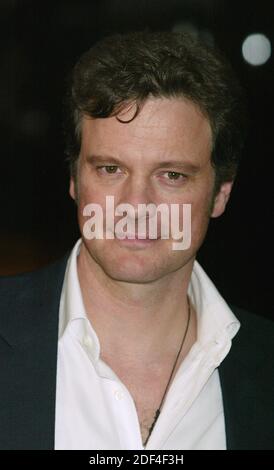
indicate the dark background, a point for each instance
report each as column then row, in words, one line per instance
column 41, row 40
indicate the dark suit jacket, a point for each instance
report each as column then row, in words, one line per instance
column 29, row 306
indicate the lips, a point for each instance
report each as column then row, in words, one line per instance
column 138, row 236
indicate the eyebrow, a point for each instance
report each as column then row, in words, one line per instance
column 103, row 158
column 189, row 166
column 184, row 165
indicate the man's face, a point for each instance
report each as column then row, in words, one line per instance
column 161, row 156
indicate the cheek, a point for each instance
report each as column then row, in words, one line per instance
column 200, row 220
column 88, row 192
column 200, row 206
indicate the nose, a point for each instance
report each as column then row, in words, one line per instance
column 138, row 200
column 136, row 191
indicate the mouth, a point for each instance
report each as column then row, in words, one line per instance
column 134, row 236
column 136, row 240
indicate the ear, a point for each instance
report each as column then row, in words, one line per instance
column 221, row 199
column 72, row 191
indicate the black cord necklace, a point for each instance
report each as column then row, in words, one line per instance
column 158, row 411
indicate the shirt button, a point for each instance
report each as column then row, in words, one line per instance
column 118, row 395
column 87, row 342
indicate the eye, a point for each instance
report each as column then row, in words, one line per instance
column 174, row 175
column 110, row 169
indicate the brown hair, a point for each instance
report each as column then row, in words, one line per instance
column 124, row 69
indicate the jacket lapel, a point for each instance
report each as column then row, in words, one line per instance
column 239, row 400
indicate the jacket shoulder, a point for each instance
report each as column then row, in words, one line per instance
column 14, row 285
column 256, row 331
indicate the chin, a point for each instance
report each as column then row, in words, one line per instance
column 137, row 270
column 132, row 271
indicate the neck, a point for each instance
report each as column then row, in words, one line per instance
column 136, row 320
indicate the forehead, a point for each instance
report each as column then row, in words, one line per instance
column 163, row 128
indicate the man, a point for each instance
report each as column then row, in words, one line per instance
column 127, row 344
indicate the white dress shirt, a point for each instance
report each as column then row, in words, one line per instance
column 94, row 409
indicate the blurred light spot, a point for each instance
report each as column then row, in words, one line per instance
column 256, row 49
